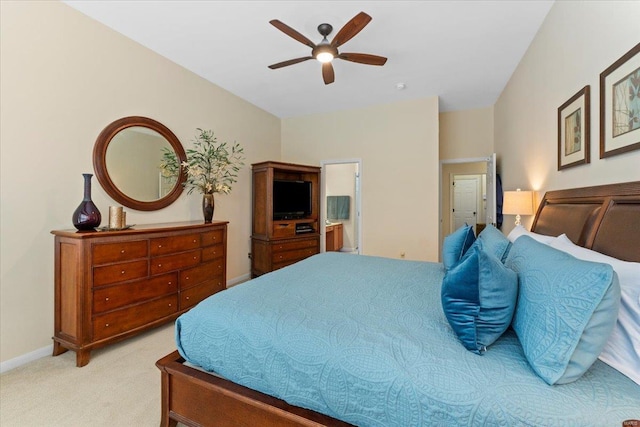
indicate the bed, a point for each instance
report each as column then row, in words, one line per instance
column 343, row 351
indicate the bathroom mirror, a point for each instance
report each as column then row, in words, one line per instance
column 126, row 160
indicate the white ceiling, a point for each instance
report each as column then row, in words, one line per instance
column 462, row 51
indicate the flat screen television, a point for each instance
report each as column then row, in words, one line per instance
column 291, row 199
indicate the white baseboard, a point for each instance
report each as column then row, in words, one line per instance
column 26, row 358
column 238, row 280
column 48, row 350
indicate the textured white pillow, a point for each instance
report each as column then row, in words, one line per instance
column 521, row 231
column 622, row 351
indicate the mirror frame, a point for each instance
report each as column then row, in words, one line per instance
column 100, row 162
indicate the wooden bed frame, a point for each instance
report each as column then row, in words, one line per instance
column 604, row 218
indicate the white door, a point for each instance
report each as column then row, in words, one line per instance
column 465, row 201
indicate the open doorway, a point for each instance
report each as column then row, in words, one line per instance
column 485, row 168
column 468, row 201
column 341, row 218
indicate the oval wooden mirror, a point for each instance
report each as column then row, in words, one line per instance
column 126, row 159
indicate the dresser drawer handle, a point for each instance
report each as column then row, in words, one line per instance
column 122, row 272
column 194, row 257
column 169, row 305
column 187, row 297
column 122, row 251
column 159, row 265
column 169, row 283
column 159, row 246
column 106, row 299
column 194, row 240
column 106, row 325
column 186, row 278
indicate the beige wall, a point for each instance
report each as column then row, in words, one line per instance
column 466, row 134
column 64, row 77
column 398, row 145
column 577, row 41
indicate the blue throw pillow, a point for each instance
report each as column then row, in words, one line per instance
column 493, row 241
column 456, row 244
column 479, row 298
column 566, row 309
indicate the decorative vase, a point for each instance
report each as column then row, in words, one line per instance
column 208, row 206
column 86, row 216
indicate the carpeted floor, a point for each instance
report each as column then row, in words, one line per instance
column 119, row 387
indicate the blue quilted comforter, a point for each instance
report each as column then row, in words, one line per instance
column 364, row 339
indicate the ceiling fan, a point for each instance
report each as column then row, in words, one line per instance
column 325, row 52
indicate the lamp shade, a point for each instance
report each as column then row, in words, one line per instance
column 518, row 203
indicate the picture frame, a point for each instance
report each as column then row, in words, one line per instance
column 574, row 130
column 620, row 105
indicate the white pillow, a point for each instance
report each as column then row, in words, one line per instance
column 521, row 231
column 622, row 351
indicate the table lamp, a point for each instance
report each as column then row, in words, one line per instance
column 518, row 203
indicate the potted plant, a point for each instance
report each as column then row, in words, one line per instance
column 211, row 167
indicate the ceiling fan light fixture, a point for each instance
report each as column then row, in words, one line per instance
column 324, row 57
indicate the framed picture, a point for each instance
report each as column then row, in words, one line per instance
column 620, row 105
column 574, row 132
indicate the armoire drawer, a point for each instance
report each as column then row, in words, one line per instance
column 120, row 272
column 174, row 262
column 104, row 253
column 115, row 322
column 295, row 244
column 298, row 254
column 112, row 297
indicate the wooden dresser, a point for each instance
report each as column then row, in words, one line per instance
column 112, row 285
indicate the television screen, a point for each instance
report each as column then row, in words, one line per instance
column 291, row 199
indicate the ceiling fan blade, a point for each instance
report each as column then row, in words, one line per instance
column 292, row 33
column 363, row 58
column 327, row 73
column 350, row 29
column 290, row 62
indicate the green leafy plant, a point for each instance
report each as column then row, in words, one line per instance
column 211, row 166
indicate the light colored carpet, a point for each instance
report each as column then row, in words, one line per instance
column 119, row 387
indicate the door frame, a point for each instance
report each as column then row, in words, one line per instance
column 358, row 201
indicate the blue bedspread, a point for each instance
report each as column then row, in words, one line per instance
column 364, row 339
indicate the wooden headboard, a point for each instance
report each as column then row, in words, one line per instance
column 604, row 218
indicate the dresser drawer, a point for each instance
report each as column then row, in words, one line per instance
column 167, row 245
column 112, row 297
column 104, row 253
column 194, row 295
column 212, row 237
column 173, row 262
column 120, row 272
column 199, row 274
column 212, row 252
column 295, row 244
column 116, row 322
column 294, row 255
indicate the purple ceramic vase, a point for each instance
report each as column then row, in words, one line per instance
column 86, row 216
